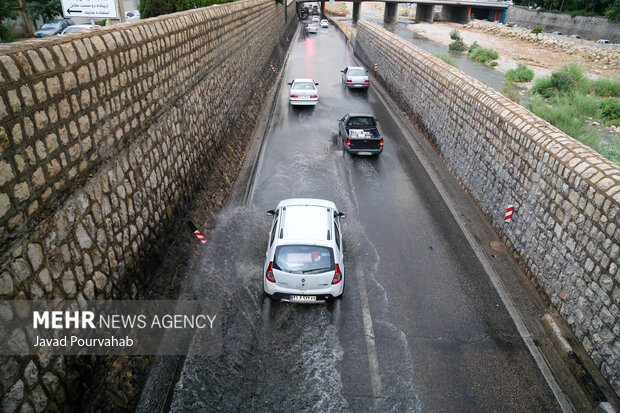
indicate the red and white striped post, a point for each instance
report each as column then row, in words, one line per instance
column 273, row 69
column 375, row 67
column 198, row 234
column 508, row 216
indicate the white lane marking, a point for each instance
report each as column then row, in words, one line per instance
column 369, row 335
column 502, row 291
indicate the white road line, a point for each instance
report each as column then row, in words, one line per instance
column 369, row 335
column 502, row 291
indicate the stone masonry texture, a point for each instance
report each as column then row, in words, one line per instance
column 565, row 227
column 103, row 136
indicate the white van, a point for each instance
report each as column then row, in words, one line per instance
column 304, row 260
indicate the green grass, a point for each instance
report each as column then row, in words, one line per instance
column 567, row 99
column 520, row 74
column 537, row 29
column 609, row 111
column 510, row 91
column 446, row 58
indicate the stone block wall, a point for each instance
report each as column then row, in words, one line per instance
column 566, row 224
column 103, row 137
column 588, row 27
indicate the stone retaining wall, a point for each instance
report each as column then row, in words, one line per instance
column 104, row 135
column 565, row 227
column 588, row 27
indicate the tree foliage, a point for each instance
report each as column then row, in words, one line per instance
column 608, row 8
column 47, row 9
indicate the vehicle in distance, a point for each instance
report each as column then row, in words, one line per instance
column 303, row 92
column 304, row 260
column 79, row 28
column 558, row 33
column 316, row 19
column 324, row 23
column 311, row 28
column 359, row 134
column 355, row 77
column 53, row 27
column 132, row 15
column 575, row 36
column 603, row 41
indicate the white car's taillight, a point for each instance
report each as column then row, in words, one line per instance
column 349, row 143
column 349, row 80
column 337, row 275
column 269, row 274
column 313, row 96
column 294, row 96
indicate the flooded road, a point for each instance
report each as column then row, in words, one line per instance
column 420, row 327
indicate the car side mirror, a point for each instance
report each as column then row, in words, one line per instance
column 290, row 83
column 271, row 212
column 342, row 215
column 316, row 84
column 342, row 71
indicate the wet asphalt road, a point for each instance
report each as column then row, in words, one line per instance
column 420, row 327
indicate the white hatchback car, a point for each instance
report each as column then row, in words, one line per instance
column 315, row 19
column 304, row 260
column 324, row 23
column 303, row 92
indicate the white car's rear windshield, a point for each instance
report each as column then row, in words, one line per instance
column 356, row 72
column 303, row 86
column 301, row 259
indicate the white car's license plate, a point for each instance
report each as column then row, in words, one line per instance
column 364, row 153
column 303, row 298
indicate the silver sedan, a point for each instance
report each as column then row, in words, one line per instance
column 303, row 92
column 355, row 77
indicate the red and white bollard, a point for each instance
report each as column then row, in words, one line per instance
column 198, row 234
column 375, row 67
column 508, row 216
column 273, row 69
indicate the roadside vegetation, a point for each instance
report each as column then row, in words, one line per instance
column 7, row 12
column 446, row 58
column 577, row 106
column 537, row 29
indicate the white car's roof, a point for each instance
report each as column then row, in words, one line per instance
column 357, row 67
column 303, row 80
column 305, row 222
column 307, row 201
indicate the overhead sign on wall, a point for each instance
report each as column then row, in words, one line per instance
column 92, row 9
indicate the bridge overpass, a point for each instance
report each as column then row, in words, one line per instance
column 452, row 10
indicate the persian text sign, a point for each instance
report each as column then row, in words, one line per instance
column 110, row 327
column 93, row 9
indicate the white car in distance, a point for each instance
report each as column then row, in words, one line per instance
column 303, row 92
column 311, row 28
column 324, row 23
column 304, row 259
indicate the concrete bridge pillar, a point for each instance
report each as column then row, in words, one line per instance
column 457, row 14
column 424, row 12
column 390, row 13
column 356, row 12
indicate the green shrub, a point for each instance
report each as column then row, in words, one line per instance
column 6, row 34
column 613, row 11
column 557, row 84
column 493, row 64
column 480, row 54
column 520, row 74
column 457, row 44
column 573, row 70
column 609, row 111
column 448, row 59
column 510, row 25
column 537, row 29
